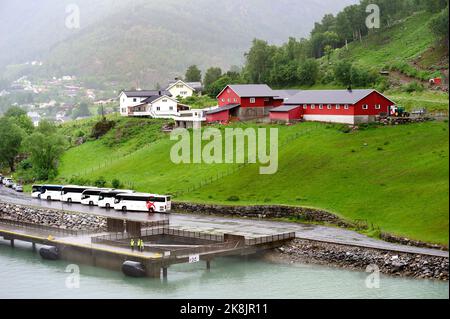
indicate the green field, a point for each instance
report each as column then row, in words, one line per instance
column 393, row 177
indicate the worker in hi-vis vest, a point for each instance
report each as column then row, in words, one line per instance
column 132, row 244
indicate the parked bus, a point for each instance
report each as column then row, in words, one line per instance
column 51, row 192
column 90, row 196
column 36, row 191
column 72, row 193
column 141, row 202
column 106, row 198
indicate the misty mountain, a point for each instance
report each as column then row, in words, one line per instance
column 140, row 43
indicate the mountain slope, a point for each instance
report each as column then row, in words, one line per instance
column 144, row 42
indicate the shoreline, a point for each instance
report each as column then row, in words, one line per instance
column 396, row 264
column 303, row 214
column 299, row 250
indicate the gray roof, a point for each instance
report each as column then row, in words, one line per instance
column 285, row 108
column 286, row 93
column 223, row 108
column 146, row 93
column 195, row 85
column 328, row 96
column 252, row 90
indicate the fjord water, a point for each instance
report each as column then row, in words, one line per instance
column 23, row 274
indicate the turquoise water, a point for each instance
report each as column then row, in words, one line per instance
column 23, row 274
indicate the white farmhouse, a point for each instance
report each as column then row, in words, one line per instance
column 129, row 99
column 179, row 88
column 156, row 106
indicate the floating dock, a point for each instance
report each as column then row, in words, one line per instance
column 163, row 245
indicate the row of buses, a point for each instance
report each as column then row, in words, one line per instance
column 123, row 200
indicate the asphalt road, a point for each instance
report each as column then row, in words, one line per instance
column 223, row 224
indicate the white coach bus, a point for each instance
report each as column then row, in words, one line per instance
column 90, row 196
column 36, row 191
column 51, row 192
column 72, row 193
column 142, row 202
column 106, row 198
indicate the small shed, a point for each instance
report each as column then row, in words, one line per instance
column 286, row 113
column 222, row 114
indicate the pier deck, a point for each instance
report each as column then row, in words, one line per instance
column 163, row 245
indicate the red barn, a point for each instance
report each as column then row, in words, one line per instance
column 245, row 102
column 337, row 106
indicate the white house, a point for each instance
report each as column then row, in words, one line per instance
column 156, row 106
column 184, row 89
column 129, row 99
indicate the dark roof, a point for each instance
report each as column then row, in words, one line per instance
column 252, row 90
column 328, row 96
column 285, row 108
column 223, row 108
column 146, row 93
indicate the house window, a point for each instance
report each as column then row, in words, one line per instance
column 134, row 100
column 158, row 108
column 229, row 100
column 266, row 99
column 338, row 106
column 377, row 106
column 346, row 106
column 164, row 101
column 252, row 100
column 313, row 106
column 223, row 100
column 329, row 106
column 171, row 108
column 320, row 106
column 305, row 106
column 180, row 86
column 365, row 107
column 235, row 99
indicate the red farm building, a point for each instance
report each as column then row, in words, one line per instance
column 244, row 102
column 336, row 106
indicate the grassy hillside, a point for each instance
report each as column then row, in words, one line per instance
column 393, row 177
column 403, row 47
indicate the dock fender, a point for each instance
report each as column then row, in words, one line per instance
column 133, row 269
column 49, row 252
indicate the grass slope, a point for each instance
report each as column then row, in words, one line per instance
column 393, row 177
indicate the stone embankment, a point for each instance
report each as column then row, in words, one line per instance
column 262, row 211
column 358, row 258
column 52, row 218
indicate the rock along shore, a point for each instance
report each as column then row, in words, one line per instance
column 52, row 217
column 358, row 258
column 277, row 211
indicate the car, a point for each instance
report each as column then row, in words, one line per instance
column 8, row 182
column 14, row 186
column 19, row 188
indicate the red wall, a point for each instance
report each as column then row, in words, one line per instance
column 371, row 100
column 294, row 114
column 228, row 96
column 326, row 111
column 218, row 117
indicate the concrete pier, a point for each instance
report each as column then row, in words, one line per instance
column 164, row 246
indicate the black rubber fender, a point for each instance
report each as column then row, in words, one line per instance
column 49, row 252
column 133, row 269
